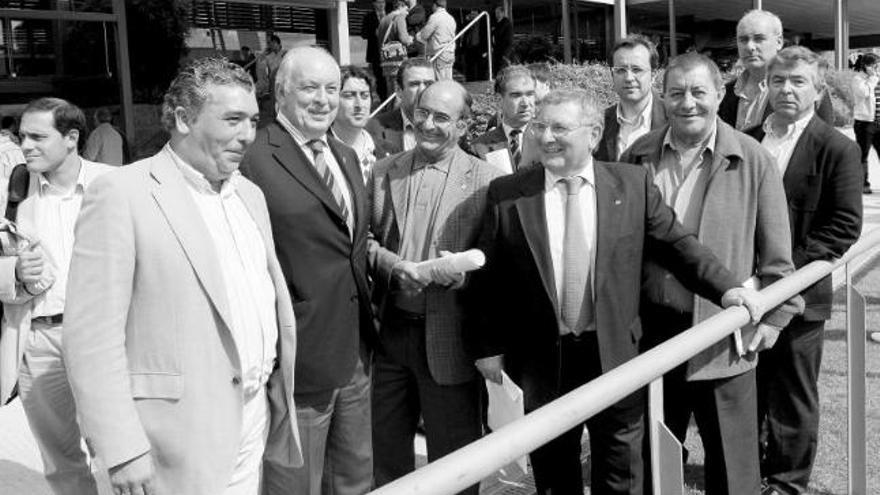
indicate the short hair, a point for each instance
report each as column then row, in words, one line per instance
column 788, row 57
column 541, row 71
column 189, row 89
column 590, row 113
column 7, row 122
column 690, row 61
column 467, row 100
column 635, row 40
column 409, row 64
column 510, row 73
column 285, row 68
column 66, row 116
column 864, row 61
column 245, row 48
column 103, row 114
column 756, row 14
column 440, row 3
column 274, row 38
column 355, row 72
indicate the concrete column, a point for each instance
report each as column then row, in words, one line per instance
column 758, row 4
column 338, row 18
column 673, row 35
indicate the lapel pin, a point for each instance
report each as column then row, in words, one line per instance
column 617, row 201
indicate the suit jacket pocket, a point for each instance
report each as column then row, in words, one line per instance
column 156, row 385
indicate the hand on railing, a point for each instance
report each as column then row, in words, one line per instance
column 743, row 296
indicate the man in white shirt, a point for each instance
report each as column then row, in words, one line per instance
column 503, row 145
column 396, row 125
column 180, row 335
column 33, row 277
column 822, row 179
column 105, row 143
column 635, row 60
column 437, row 35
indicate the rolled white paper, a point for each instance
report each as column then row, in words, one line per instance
column 466, row 261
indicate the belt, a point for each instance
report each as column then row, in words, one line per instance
column 50, row 319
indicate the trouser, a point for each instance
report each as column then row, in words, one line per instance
column 381, row 85
column 51, row 412
column 788, row 405
column 867, row 135
column 725, row 411
column 615, row 434
column 443, row 69
column 404, row 389
column 334, row 430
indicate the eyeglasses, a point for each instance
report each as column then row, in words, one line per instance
column 440, row 119
column 538, row 128
column 631, row 69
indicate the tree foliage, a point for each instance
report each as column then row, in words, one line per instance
column 157, row 31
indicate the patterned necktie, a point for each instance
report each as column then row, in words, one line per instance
column 515, row 150
column 577, row 292
column 317, row 147
column 877, row 103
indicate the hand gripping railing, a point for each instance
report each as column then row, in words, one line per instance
column 480, row 459
column 449, row 45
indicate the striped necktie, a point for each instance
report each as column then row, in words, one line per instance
column 515, row 148
column 317, row 147
column 577, row 291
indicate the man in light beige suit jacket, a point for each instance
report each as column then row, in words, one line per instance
column 180, row 336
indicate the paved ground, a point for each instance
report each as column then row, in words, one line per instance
column 21, row 467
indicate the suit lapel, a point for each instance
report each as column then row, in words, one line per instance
column 612, row 128
column 398, row 183
column 609, row 204
column 459, row 185
column 533, row 218
column 182, row 215
column 352, row 171
column 292, row 158
column 802, row 161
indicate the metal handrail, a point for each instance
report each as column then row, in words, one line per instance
column 451, row 44
column 476, row 461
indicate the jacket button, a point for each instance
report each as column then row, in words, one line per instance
column 236, row 380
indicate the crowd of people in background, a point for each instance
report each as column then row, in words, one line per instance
column 248, row 310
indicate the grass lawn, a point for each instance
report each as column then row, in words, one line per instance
column 830, row 471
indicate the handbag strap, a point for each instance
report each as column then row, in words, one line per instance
column 390, row 25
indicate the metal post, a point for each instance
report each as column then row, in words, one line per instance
column 673, row 35
column 489, row 45
column 619, row 19
column 757, row 4
column 566, row 33
column 123, row 68
column 841, row 34
column 856, row 388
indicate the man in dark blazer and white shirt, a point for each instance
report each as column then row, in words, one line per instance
column 318, row 208
column 516, row 86
column 821, row 175
column 640, row 109
column 559, row 295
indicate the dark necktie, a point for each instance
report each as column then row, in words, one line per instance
column 515, row 150
column 577, row 292
column 317, row 147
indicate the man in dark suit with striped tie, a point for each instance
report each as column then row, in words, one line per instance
column 318, row 209
column 516, row 86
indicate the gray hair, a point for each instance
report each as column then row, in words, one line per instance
column 189, row 90
column 756, row 14
column 284, row 76
column 788, row 57
column 590, row 114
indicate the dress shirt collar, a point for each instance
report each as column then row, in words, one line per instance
column 80, row 186
column 708, row 144
column 793, row 129
column 588, row 173
column 295, row 133
column 508, row 129
column 197, row 181
column 741, row 84
column 406, row 122
column 640, row 120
